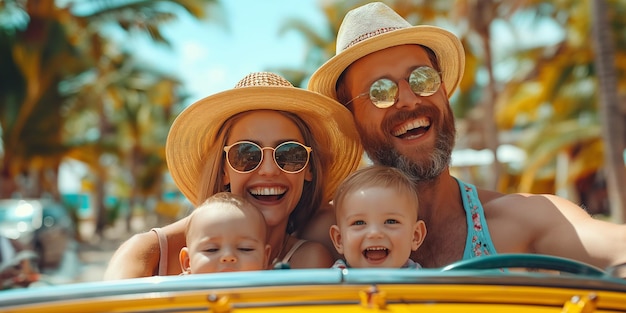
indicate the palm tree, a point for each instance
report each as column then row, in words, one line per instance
column 613, row 125
column 553, row 104
column 39, row 56
column 134, row 109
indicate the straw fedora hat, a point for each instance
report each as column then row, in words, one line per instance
column 195, row 130
column 375, row 26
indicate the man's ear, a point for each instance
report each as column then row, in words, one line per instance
column 183, row 257
column 419, row 233
column 335, row 236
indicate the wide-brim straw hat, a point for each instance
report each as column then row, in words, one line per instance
column 195, row 130
column 374, row 27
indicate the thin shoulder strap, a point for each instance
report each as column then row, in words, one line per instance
column 478, row 241
column 293, row 250
column 163, row 251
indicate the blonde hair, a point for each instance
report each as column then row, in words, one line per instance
column 375, row 176
column 212, row 175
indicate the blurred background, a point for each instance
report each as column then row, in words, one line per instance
column 89, row 89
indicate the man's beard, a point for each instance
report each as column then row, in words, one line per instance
column 382, row 152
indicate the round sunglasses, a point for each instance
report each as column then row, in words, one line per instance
column 424, row 82
column 246, row 156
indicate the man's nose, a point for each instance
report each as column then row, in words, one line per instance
column 407, row 99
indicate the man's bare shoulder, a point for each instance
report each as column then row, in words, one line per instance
column 494, row 199
column 531, row 206
column 517, row 221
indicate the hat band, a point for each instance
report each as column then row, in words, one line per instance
column 370, row 35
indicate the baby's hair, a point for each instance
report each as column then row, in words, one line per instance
column 230, row 200
column 375, row 176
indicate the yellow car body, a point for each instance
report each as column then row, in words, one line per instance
column 469, row 287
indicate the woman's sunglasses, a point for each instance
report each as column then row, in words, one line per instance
column 246, row 156
column 424, row 82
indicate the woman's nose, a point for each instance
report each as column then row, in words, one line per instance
column 268, row 166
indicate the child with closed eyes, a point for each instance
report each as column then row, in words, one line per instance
column 225, row 234
column 377, row 220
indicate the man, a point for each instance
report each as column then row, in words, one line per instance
column 396, row 80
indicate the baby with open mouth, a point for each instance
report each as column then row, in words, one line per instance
column 376, row 209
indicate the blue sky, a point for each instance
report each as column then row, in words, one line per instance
column 210, row 57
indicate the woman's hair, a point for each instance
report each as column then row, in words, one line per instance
column 212, row 176
column 375, row 176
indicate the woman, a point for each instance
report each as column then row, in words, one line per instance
column 284, row 149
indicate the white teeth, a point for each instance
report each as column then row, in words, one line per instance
column 420, row 122
column 376, row 248
column 268, row 191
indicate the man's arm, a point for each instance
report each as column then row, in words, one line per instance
column 583, row 237
column 548, row 224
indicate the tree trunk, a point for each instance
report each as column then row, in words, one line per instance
column 611, row 117
column 483, row 16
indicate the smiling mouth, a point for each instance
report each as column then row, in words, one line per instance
column 375, row 253
column 412, row 129
column 268, row 193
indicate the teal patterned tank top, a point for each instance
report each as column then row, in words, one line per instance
column 478, row 241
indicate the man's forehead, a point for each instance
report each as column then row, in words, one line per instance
column 397, row 56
